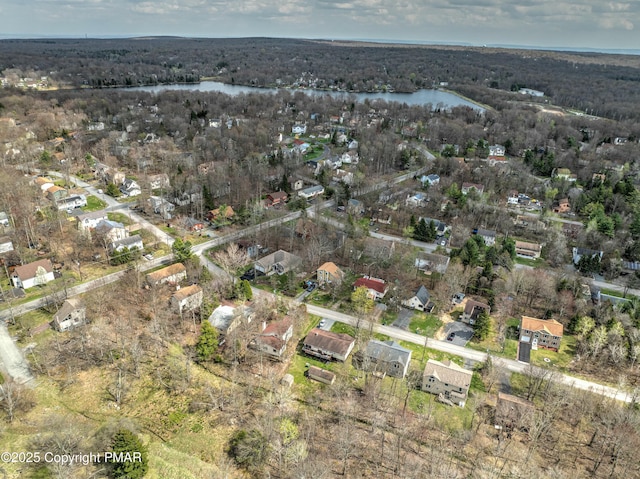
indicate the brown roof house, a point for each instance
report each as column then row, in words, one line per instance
column 539, row 333
column 447, row 380
column 563, row 206
column 329, row 273
column 328, row 345
column 276, row 198
column 32, row 274
column 171, row 274
column 187, row 299
column 385, row 357
column 528, row 250
column 274, row 338
column 472, row 310
column 70, row 315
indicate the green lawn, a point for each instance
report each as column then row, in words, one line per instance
column 535, row 263
column 94, row 204
column 120, row 218
column 425, row 324
column 561, row 359
column 343, row 328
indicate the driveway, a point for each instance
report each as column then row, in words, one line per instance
column 404, row 318
column 463, row 331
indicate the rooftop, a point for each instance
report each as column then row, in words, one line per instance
column 551, row 326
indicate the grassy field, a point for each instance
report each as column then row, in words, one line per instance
column 94, row 204
column 534, row 263
column 425, row 324
column 120, row 218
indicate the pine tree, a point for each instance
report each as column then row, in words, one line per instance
column 207, row 344
column 135, row 463
column 482, row 326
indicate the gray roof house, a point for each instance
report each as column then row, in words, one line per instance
column 447, row 380
column 134, row 241
column 419, row 301
column 130, row 187
column 386, row 357
column 489, row 236
column 278, row 262
column 70, row 315
column 89, row 221
column 311, row 192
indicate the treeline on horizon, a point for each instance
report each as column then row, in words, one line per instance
column 598, row 84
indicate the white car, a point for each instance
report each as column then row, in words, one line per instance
column 321, row 323
column 148, row 257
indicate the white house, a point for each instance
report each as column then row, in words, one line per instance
column 299, row 129
column 419, row 301
column 32, row 274
column 130, row 187
column 89, row 221
column 311, row 192
column 497, row 150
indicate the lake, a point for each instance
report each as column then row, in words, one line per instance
column 436, row 98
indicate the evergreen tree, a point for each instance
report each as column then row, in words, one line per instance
column 182, row 250
column 421, row 231
column 137, row 464
column 207, row 344
column 248, row 292
column 431, row 231
column 482, row 326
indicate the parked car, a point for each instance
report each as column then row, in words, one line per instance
column 451, row 336
column 321, row 323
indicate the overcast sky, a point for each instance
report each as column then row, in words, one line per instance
column 590, row 24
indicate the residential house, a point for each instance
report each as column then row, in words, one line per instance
column 226, row 318
column 278, row 262
column 578, row 253
column 299, row 129
column 4, row 219
column 416, row 200
column 56, row 193
column 528, row 250
column 447, row 379
column 111, row 231
column 156, row 182
column 321, row 375
column 529, row 91
column 563, row 206
column 468, row 187
column 311, row 192
column 383, row 357
column 187, row 298
column 223, row 213
column 513, row 413
column 32, row 274
column 130, row 188
column 342, row 176
column 161, row 206
column 192, row 224
column 89, row 221
column 274, row 338
column 440, row 226
column 171, row 274
column 497, row 150
column 431, row 179
column 430, row 263
column 71, row 202
column 251, row 248
column 113, row 176
column 565, row 174
column 420, row 300
column 355, row 207
column 70, row 315
column 130, row 242
column 541, row 333
column 350, row 158
column 275, row 199
column 329, row 273
column 6, row 245
column 473, row 309
column 376, row 287
column 513, row 200
column 296, row 184
column 489, row 236
column 328, row 345
column 43, row 183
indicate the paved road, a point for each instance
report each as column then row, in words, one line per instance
column 469, row 354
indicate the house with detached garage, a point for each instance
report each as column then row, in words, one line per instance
column 328, row 345
column 33, row 274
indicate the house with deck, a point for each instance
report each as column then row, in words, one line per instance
column 328, row 345
column 383, row 357
column 448, row 380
